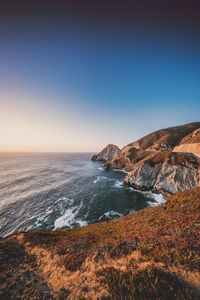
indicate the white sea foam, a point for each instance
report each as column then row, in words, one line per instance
column 102, row 178
column 82, row 223
column 159, row 198
column 118, row 184
column 96, row 180
column 110, row 214
column 61, row 199
column 65, row 199
column 42, row 217
column 120, row 170
column 69, row 218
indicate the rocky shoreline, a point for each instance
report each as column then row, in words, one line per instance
column 166, row 161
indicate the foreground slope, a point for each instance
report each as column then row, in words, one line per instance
column 152, row 254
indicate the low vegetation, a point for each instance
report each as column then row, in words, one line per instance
column 152, row 254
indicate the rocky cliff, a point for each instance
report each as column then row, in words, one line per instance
column 166, row 172
column 109, row 153
column 165, row 160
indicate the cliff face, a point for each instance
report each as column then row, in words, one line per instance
column 166, row 172
column 152, row 254
column 107, row 154
column 152, row 161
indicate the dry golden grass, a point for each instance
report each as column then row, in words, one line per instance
column 152, row 254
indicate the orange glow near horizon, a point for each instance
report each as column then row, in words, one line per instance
column 29, row 126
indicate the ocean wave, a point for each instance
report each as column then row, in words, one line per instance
column 110, row 215
column 68, row 219
column 18, row 226
column 60, row 199
column 19, row 193
column 101, row 168
column 51, row 209
column 159, row 198
column 40, row 219
column 102, row 178
column 120, row 170
column 65, row 199
column 118, row 184
column 16, row 182
column 82, row 223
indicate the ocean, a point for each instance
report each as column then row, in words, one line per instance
column 54, row 191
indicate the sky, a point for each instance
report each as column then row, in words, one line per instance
column 77, row 77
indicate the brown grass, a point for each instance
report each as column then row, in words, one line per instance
column 155, row 251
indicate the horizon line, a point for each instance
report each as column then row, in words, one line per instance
column 40, row 152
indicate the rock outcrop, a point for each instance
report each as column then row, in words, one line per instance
column 160, row 140
column 190, row 143
column 166, row 172
column 107, row 154
column 165, row 160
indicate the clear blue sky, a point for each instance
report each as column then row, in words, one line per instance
column 77, row 88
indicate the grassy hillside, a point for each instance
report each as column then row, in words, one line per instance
column 152, row 254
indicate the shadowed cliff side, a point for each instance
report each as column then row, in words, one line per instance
column 152, row 254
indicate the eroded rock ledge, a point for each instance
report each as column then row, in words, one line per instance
column 165, row 161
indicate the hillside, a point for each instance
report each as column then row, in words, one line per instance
column 165, row 161
column 152, row 254
column 163, row 139
column 190, row 143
